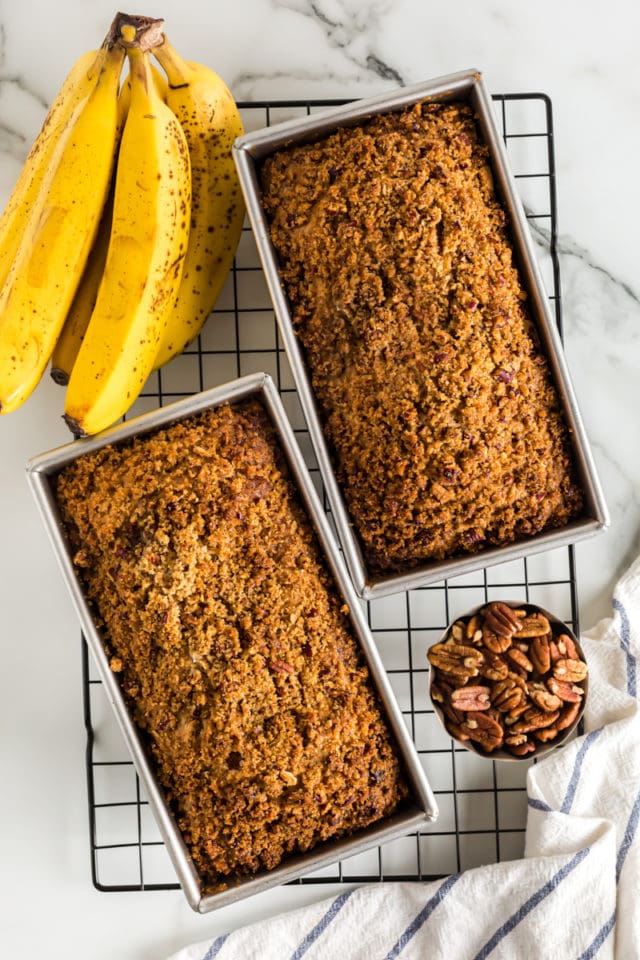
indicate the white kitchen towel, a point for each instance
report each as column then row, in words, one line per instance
column 575, row 895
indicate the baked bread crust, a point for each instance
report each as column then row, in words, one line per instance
column 230, row 643
column 436, row 399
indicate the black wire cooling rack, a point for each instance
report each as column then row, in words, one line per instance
column 482, row 802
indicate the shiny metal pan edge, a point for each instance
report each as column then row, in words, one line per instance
column 468, row 86
column 423, row 807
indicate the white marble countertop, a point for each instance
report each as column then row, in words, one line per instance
column 584, row 56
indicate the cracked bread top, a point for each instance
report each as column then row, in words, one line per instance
column 230, row 641
column 436, row 399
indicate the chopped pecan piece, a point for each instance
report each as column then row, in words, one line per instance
column 573, row 671
column 455, row 659
column 279, row 666
column 540, row 654
column 534, row 625
column 471, row 698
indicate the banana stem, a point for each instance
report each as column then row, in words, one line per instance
column 147, row 32
column 139, row 63
column 177, row 70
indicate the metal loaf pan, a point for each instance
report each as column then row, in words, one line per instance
column 468, row 86
column 422, row 807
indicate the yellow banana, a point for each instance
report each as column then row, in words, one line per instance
column 75, row 326
column 211, row 122
column 76, row 87
column 148, row 243
column 55, row 245
column 77, row 321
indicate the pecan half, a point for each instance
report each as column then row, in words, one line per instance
column 568, row 692
column 474, row 632
column 455, row 659
column 493, row 667
column 442, row 695
column 534, row 719
column 554, row 653
column 494, row 642
column 507, row 694
column 542, row 698
column 484, row 730
column 567, row 648
column 471, row 698
column 516, row 739
column 522, row 749
column 573, row 671
column 456, row 730
column 568, row 715
column 520, row 659
column 534, row 625
column 501, row 619
column 548, row 733
column 540, row 654
column 516, row 712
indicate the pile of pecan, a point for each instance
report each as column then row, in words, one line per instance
column 505, row 678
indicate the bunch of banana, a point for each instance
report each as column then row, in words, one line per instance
column 59, row 207
column 122, row 228
column 211, row 122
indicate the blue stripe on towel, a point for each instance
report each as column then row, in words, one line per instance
column 577, row 767
column 215, row 947
column 625, row 643
column 322, row 924
column 423, row 916
column 599, row 938
column 629, row 834
column 539, row 805
column 531, row 903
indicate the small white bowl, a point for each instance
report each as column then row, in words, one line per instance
column 501, row 753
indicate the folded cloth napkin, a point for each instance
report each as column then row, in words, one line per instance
column 574, row 895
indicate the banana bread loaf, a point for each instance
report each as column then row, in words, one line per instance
column 230, row 642
column 436, row 400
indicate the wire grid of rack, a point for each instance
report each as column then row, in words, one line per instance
column 482, row 802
